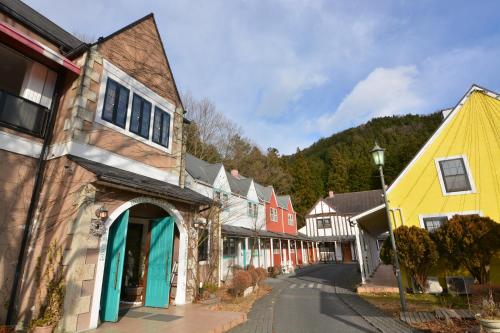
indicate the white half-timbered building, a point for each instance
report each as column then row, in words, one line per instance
column 328, row 223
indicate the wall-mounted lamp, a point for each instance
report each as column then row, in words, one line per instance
column 98, row 226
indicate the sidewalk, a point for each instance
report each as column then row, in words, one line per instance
column 190, row 318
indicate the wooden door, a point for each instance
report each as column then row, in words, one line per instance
column 160, row 263
column 113, row 269
column 346, row 252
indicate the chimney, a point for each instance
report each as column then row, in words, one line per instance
column 234, row 173
column 331, row 194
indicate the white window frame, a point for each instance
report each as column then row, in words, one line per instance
column 274, row 217
column 448, row 215
column 135, row 87
column 290, row 219
column 467, row 170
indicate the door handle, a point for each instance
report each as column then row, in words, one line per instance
column 116, row 271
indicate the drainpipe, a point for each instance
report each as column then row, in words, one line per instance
column 35, row 195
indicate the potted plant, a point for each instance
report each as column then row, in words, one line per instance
column 489, row 314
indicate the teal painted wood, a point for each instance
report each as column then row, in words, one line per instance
column 113, row 269
column 160, row 263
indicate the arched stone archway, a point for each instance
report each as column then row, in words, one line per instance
column 180, row 297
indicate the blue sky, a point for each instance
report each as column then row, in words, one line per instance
column 292, row 71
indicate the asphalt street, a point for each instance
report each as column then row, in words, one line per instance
column 317, row 299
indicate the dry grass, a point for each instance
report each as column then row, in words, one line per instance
column 454, row 326
column 238, row 304
column 389, row 303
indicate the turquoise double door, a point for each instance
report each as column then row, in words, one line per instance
column 158, row 268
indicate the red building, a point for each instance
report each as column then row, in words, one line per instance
column 289, row 248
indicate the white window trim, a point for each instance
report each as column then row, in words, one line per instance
column 134, row 86
column 448, row 215
column 467, row 170
column 290, row 220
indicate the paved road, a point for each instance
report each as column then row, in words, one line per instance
column 317, row 299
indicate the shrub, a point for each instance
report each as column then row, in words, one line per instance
column 255, row 276
column 241, row 281
column 262, row 273
column 210, row 287
column 276, row 271
column 417, row 252
column 250, row 267
column 471, row 241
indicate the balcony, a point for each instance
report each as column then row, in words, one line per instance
column 22, row 114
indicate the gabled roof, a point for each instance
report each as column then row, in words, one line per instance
column 137, row 182
column 353, row 203
column 133, row 24
column 283, row 201
column 201, row 170
column 264, row 192
column 40, row 24
column 450, row 115
column 239, row 185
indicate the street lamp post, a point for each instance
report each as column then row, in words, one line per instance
column 378, row 159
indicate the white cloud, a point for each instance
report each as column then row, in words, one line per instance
column 385, row 91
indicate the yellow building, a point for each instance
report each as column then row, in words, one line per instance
column 456, row 172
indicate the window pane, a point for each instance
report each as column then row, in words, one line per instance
column 109, row 101
column 136, row 113
column 161, row 127
column 433, row 223
column 157, row 126
column 121, row 109
column 139, row 119
column 146, row 116
column 454, row 175
column 165, row 131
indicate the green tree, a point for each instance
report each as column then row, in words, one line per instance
column 417, row 252
column 338, row 172
column 303, row 193
column 471, row 241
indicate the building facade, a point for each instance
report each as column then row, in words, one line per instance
column 91, row 140
column 329, row 223
column 455, row 172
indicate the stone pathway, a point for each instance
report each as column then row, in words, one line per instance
column 260, row 317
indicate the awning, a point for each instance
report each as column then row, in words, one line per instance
column 37, row 47
column 374, row 220
column 333, row 238
column 236, row 231
column 135, row 182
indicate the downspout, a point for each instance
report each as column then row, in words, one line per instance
column 35, row 195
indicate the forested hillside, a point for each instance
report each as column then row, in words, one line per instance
column 341, row 162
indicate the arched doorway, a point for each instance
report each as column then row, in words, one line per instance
column 148, row 263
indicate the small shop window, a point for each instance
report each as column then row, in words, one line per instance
column 434, row 223
column 229, row 247
column 141, row 116
column 161, row 127
column 115, row 104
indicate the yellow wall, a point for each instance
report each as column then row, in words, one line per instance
column 472, row 130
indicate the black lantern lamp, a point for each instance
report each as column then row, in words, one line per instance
column 98, row 225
